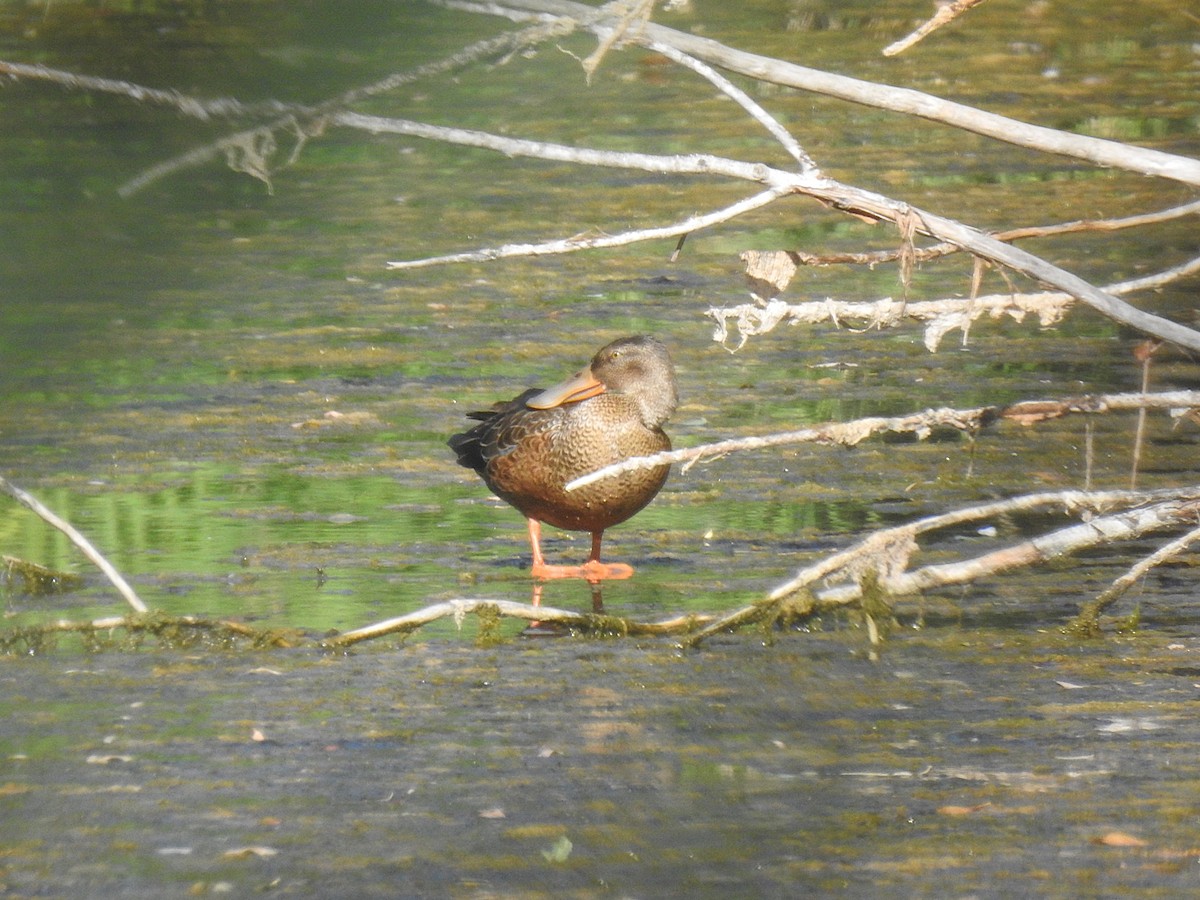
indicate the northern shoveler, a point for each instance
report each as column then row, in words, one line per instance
column 529, row 448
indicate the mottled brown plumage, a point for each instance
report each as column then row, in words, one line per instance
column 526, row 450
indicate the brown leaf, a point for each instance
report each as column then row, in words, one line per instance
column 1119, row 839
column 1144, row 350
column 247, row 852
column 962, row 810
column 1034, row 411
column 768, row 272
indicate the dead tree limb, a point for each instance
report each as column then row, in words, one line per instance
column 459, row 609
column 840, row 196
column 882, row 96
column 921, row 424
column 1088, row 620
column 880, row 562
column 30, row 502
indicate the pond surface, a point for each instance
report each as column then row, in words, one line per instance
column 226, row 390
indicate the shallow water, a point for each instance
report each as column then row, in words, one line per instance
column 611, row 768
column 170, row 362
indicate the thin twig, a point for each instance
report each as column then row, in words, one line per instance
column 195, row 107
column 629, row 12
column 936, row 251
column 573, row 244
column 1144, row 352
column 742, row 99
column 110, row 572
column 1117, row 589
column 946, row 13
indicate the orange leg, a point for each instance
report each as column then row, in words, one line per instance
column 593, row 570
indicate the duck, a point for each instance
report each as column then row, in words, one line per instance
column 528, row 449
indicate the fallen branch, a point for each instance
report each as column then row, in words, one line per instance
column 920, row 424
column 110, row 572
column 880, row 561
column 458, row 609
column 1088, row 620
column 840, row 196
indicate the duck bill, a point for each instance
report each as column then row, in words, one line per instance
column 574, row 389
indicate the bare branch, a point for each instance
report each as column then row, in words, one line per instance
column 753, row 319
column 844, row 433
column 110, row 572
column 946, row 13
column 882, row 557
column 904, row 100
column 1087, row 619
column 935, row 251
column 572, row 244
column 197, row 108
column 756, row 112
column 920, row 424
column 458, row 609
column 687, row 164
column 1123, row 526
